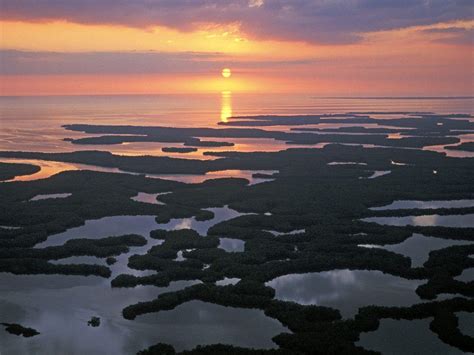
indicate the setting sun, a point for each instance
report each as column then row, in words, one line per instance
column 188, row 173
column 226, row 73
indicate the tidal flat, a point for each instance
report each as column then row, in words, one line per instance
column 351, row 230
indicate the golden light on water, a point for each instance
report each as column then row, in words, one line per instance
column 226, row 73
column 226, row 106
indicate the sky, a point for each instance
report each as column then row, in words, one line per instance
column 317, row 47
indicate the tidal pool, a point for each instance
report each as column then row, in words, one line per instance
column 85, row 259
column 179, row 256
column 50, row 168
column 50, row 196
column 418, row 247
column 345, row 163
column 10, row 227
column 149, row 198
column 346, row 290
column 59, row 307
column 142, row 225
column 458, row 221
column 219, row 174
column 378, row 173
column 405, row 337
column 466, row 276
column 293, row 232
column 227, row 281
column 231, row 245
column 408, row 204
column 466, row 323
column 199, row 323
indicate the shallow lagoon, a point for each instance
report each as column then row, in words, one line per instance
column 466, row 276
column 50, row 196
column 142, row 225
column 148, row 198
column 231, row 245
column 346, row 290
column 418, row 247
column 408, row 204
column 117, row 335
column 405, row 337
column 466, row 323
column 458, row 221
column 59, row 307
column 218, row 174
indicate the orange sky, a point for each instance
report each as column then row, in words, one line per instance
column 416, row 60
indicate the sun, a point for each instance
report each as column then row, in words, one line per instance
column 226, row 73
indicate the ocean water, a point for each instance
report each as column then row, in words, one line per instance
column 34, row 123
column 59, row 306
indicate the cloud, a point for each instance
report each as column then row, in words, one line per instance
column 51, row 63
column 256, row 3
column 452, row 35
column 13, row 62
column 316, row 21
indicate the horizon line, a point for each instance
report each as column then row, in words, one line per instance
column 414, row 97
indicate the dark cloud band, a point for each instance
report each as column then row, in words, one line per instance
column 316, row 21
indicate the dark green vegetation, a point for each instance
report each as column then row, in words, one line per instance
column 110, row 260
column 417, row 131
column 35, row 261
column 17, row 329
column 219, row 349
column 327, row 201
column 94, row 322
column 178, row 150
column 8, row 171
column 468, row 147
column 94, row 195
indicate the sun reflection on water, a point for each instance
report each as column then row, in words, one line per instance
column 226, row 105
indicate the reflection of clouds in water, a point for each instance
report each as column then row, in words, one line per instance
column 220, row 214
column 369, row 246
column 184, row 224
column 142, row 225
column 148, row 198
column 227, row 281
column 293, row 232
column 430, row 220
column 459, row 221
column 50, row 196
column 346, row 290
column 79, row 260
column 49, row 168
column 405, row 337
column 466, row 321
column 418, row 247
column 378, row 173
column 344, row 277
column 62, row 312
column 198, row 322
column 231, row 245
column 179, row 256
column 466, row 276
column 408, row 204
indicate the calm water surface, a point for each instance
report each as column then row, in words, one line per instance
column 418, row 247
column 346, row 290
column 34, row 123
column 405, row 337
column 60, row 306
column 460, row 221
